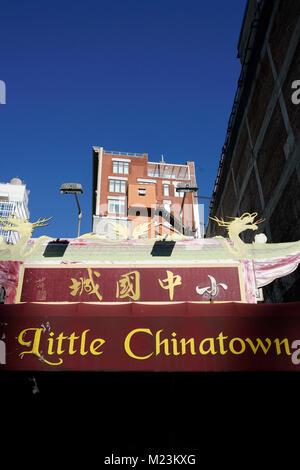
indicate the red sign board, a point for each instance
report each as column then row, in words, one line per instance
column 69, row 283
column 135, row 337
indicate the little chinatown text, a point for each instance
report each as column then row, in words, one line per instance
column 59, row 347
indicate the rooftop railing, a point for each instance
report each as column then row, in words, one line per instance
column 168, row 171
column 125, row 154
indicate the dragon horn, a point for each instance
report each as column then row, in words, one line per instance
column 41, row 223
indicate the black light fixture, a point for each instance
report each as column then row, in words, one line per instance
column 186, row 188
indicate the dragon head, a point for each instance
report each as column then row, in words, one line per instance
column 239, row 224
column 246, row 221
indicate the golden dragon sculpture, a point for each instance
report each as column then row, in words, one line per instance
column 235, row 227
column 21, row 249
column 231, row 247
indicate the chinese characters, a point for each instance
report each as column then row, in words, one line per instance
column 212, row 290
column 86, row 284
column 146, row 284
column 129, row 286
column 170, row 282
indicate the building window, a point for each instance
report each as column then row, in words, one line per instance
column 121, row 167
column 117, row 186
column 142, row 191
column 166, row 190
column 8, row 209
column 116, row 206
column 178, row 193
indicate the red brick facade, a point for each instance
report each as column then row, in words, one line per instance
column 129, row 187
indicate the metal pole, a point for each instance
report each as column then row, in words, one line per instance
column 79, row 214
column 180, row 212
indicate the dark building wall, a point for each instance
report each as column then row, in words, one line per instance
column 260, row 165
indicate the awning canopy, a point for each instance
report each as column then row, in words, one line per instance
column 134, row 336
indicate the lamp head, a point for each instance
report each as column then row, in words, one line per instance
column 71, row 188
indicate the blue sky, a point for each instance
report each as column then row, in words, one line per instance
column 154, row 76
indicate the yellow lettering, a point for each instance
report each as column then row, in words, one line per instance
column 93, row 348
column 211, row 348
column 50, row 343
column 159, row 343
column 242, row 343
column 191, row 342
column 174, row 342
column 60, row 339
column 286, row 346
column 82, row 343
column 221, row 338
column 128, row 339
column 35, row 345
column 72, row 338
column 259, row 344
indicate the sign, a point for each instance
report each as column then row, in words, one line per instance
column 170, row 283
column 143, row 337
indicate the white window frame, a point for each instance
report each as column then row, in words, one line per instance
column 122, row 178
column 145, row 181
column 115, row 182
column 166, row 190
column 121, row 164
column 127, row 160
column 113, row 202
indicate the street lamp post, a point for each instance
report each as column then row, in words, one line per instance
column 185, row 188
column 73, row 188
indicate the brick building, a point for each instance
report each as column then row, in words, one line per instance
column 129, row 189
column 259, row 169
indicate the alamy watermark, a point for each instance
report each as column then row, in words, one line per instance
column 2, row 92
column 296, row 94
column 2, row 352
